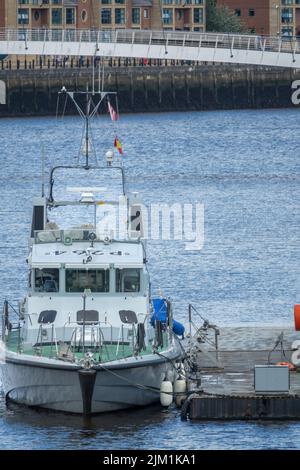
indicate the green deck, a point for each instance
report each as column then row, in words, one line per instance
column 108, row 352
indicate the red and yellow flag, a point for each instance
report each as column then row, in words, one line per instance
column 118, row 145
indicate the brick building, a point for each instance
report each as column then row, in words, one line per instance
column 265, row 17
column 186, row 15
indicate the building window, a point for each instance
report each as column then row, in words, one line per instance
column 106, row 16
column 136, row 16
column 146, row 13
column 287, row 15
column 56, row 16
column 106, row 2
column 238, row 12
column 179, row 15
column 23, row 2
column 198, row 15
column 23, row 16
column 84, row 16
column 121, row 2
column 198, row 2
column 167, row 2
column 251, row 12
column 70, row 15
column 56, row 2
column 120, row 15
column 167, row 16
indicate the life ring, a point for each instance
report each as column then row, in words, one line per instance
column 287, row 364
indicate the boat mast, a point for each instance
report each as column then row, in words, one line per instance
column 87, row 112
column 87, row 115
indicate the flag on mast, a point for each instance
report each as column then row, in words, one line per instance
column 113, row 114
column 118, row 146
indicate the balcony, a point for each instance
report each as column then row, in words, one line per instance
column 70, row 3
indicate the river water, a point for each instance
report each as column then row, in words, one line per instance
column 244, row 167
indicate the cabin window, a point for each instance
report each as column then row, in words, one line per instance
column 78, row 280
column 128, row 280
column 46, row 280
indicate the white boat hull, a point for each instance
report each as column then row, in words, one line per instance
column 57, row 387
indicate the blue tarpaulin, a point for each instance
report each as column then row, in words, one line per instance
column 160, row 313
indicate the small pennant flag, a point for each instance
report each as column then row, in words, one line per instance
column 113, row 114
column 118, row 145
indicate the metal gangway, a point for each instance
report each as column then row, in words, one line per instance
column 146, row 44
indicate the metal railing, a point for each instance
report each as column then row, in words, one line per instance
column 156, row 38
column 40, row 339
column 200, row 340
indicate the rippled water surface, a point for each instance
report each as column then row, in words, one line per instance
column 244, row 166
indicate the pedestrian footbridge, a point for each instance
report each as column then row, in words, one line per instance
column 171, row 45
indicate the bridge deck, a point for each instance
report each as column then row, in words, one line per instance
column 177, row 45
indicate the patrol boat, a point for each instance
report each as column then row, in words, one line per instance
column 88, row 337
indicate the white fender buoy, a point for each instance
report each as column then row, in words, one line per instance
column 179, row 392
column 295, row 345
column 295, row 358
column 166, row 393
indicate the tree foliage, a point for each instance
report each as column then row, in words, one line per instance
column 221, row 19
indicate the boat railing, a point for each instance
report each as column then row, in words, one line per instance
column 121, row 341
column 87, row 335
column 40, row 343
column 11, row 322
column 203, row 338
column 202, row 331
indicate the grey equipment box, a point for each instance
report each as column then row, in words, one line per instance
column 271, row 379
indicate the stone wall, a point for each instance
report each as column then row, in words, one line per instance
column 151, row 89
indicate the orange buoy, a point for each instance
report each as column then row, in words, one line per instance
column 288, row 364
column 297, row 317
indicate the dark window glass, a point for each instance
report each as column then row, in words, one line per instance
column 106, row 16
column 120, row 15
column 70, row 15
column 95, row 280
column 198, row 15
column 136, row 16
column 128, row 280
column 23, row 16
column 56, row 16
column 46, row 280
